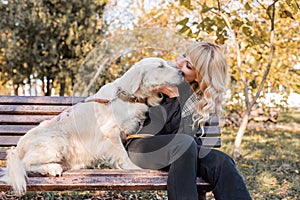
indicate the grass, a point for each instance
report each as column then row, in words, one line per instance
column 269, row 165
column 289, row 117
column 270, row 162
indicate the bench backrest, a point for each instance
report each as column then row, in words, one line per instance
column 18, row 114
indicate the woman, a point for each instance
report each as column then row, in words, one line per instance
column 173, row 146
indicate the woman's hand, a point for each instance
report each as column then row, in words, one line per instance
column 170, row 91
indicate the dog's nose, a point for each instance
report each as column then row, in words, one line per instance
column 180, row 73
column 172, row 64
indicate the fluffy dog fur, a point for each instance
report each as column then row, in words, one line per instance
column 89, row 131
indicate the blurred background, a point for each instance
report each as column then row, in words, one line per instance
column 65, row 48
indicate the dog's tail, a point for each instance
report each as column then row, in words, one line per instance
column 15, row 174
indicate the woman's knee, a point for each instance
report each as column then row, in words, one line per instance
column 222, row 159
column 227, row 159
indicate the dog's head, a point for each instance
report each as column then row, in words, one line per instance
column 148, row 75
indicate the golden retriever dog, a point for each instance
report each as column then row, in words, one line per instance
column 90, row 130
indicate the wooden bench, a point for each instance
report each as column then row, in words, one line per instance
column 20, row 114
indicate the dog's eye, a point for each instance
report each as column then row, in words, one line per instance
column 161, row 65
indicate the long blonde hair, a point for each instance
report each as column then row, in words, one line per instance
column 210, row 63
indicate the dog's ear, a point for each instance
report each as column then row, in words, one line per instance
column 131, row 80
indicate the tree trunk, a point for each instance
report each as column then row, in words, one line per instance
column 16, row 89
column 238, row 139
column 43, row 87
column 249, row 105
column 62, row 86
column 49, row 87
column 94, row 79
column 30, row 85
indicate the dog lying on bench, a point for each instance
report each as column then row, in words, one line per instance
column 90, row 130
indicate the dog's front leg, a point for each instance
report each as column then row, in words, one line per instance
column 119, row 156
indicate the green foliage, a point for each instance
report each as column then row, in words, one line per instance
column 250, row 23
column 186, row 3
column 47, row 39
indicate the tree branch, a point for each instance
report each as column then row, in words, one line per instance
column 272, row 51
column 238, row 52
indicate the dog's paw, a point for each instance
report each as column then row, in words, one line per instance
column 128, row 165
column 54, row 169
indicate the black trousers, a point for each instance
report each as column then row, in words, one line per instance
column 185, row 160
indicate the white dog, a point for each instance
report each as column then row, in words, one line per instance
column 90, row 130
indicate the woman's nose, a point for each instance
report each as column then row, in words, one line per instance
column 178, row 64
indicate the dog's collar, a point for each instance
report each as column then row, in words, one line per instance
column 125, row 96
column 98, row 100
column 134, row 99
column 131, row 100
column 137, row 100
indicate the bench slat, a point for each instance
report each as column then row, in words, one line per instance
column 211, row 142
column 214, row 121
column 104, row 172
column 211, row 131
column 39, row 100
column 15, row 129
column 9, row 140
column 23, row 119
column 13, row 140
column 2, row 154
column 32, row 109
column 102, row 180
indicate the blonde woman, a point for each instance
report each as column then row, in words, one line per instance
column 173, row 125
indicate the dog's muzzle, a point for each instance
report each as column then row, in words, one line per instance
column 180, row 73
column 172, row 64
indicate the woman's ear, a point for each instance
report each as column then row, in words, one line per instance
column 198, row 77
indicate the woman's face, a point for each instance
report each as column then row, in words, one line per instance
column 184, row 63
